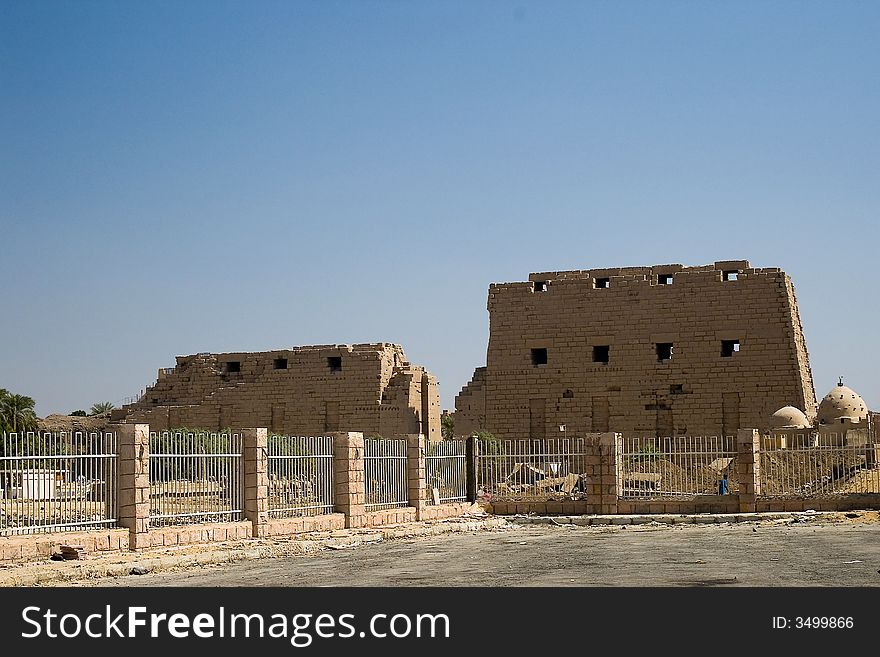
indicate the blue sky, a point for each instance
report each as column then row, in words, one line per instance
column 218, row 176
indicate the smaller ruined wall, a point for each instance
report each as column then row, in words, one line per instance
column 370, row 388
column 411, row 405
column 470, row 405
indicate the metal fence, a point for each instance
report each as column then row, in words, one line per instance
column 300, row 471
column 195, row 477
column 385, row 474
column 61, row 481
column 446, row 471
column 819, row 465
column 677, row 467
column 527, row 470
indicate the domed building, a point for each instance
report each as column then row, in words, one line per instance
column 789, row 417
column 789, row 427
column 842, row 405
column 842, row 418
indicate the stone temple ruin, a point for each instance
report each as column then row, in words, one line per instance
column 666, row 350
column 370, row 388
column 663, row 350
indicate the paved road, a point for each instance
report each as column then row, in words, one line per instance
column 741, row 554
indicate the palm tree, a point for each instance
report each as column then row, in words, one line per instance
column 101, row 407
column 4, row 395
column 17, row 412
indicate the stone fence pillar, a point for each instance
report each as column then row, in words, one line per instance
column 415, row 474
column 610, row 478
column 748, row 468
column 348, row 476
column 255, row 463
column 134, row 482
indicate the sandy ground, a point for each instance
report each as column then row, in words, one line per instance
column 829, row 550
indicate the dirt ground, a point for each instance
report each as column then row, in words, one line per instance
column 837, row 551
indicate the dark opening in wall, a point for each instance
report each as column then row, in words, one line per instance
column 601, row 353
column 729, row 348
column 664, row 351
column 676, row 389
column 539, row 357
column 540, row 286
column 334, row 363
column 231, row 366
column 568, row 394
column 664, row 279
column 730, row 274
column 280, row 363
column 601, row 283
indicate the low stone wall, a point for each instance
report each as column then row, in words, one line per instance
column 449, row 510
column 213, row 532
column 42, row 546
column 390, row 516
column 413, row 514
column 580, row 507
column 702, row 504
column 322, row 523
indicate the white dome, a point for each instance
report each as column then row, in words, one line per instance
column 789, row 417
column 842, row 405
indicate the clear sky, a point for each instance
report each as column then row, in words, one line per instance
column 178, row 177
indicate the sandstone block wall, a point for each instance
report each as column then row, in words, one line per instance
column 470, row 405
column 583, row 349
column 370, row 388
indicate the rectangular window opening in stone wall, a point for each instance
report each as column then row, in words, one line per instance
column 676, row 389
column 601, row 353
column 601, row 283
column 231, row 366
column 729, row 348
column 334, row 363
column 730, row 274
column 664, row 351
column 280, row 363
column 540, row 286
column 539, row 357
column 664, row 279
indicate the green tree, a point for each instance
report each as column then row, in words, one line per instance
column 4, row 395
column 17, row 412
column 447, row 426
column 489, row 444
column 101, row 407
